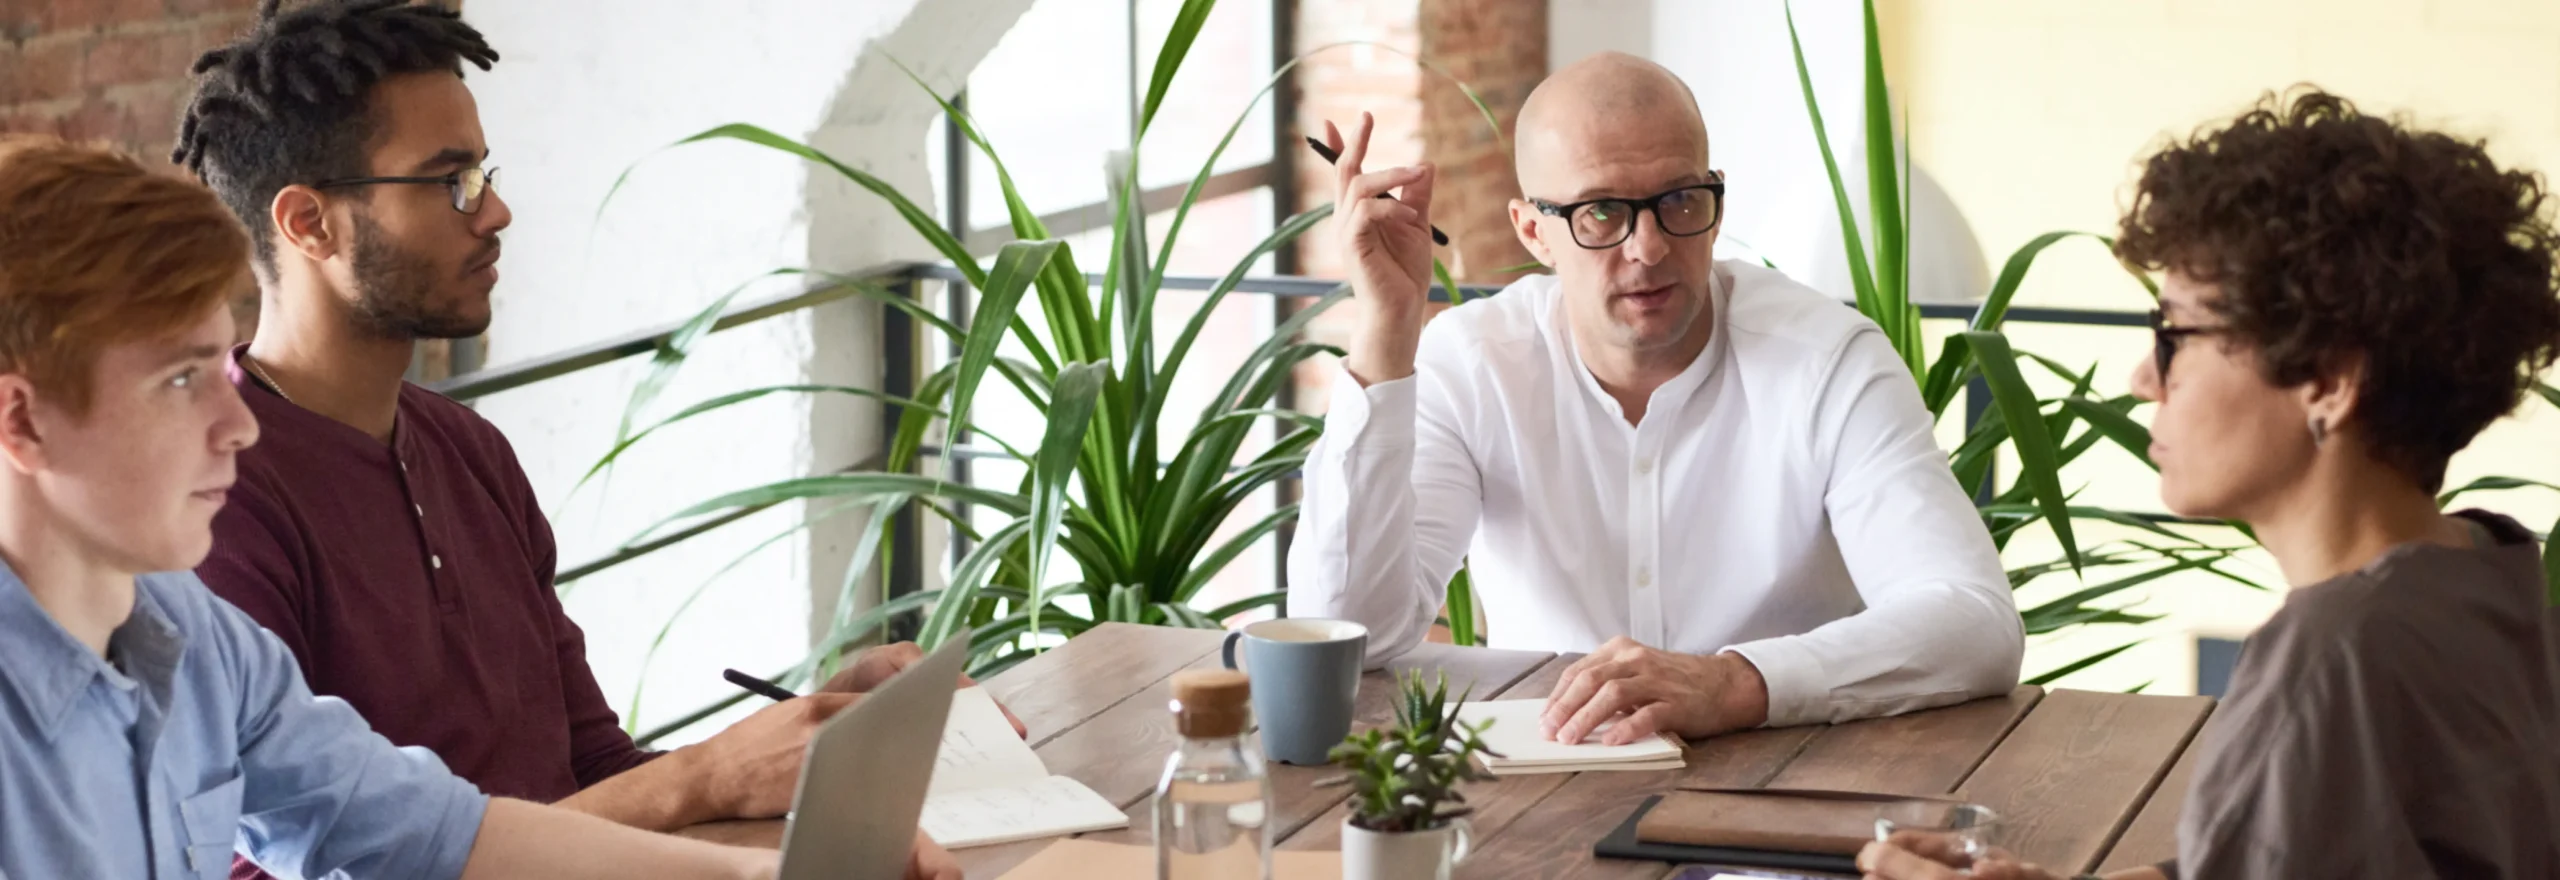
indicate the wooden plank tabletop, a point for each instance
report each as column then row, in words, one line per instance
column 2080, row 778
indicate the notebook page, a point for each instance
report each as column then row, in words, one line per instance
column 1027, row 809
column 980, row 749
column 1517, row 734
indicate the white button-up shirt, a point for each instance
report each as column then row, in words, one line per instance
column 1782, row 498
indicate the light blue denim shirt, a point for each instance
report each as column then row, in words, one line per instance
column 200, row 738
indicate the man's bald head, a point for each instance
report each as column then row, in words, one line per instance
column 1600, row 105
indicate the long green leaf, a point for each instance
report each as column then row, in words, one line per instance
column 1893, row 295
column 1076, row 390
column 671, row 355
column 1017, row 265
column 1288, row 230
column 2548, row 393
column 2082, row 663
column 1209, row 566
column 967, row 582
column 1079, row 334
column 1462, row 608
column 2039, row 465
column 2109, row 418
column 2492, row 484
column 925, row 224
column 631, row 714
column 1231, row 609
column 793, row 676
column 1861, row 279
column 865, row 485
column 1945, row 377
column 737, row 397
column 2090, row 594
column 1177, row 44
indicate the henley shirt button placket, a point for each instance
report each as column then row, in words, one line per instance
column 1644, row 550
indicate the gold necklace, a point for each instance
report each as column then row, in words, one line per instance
column 261, row 373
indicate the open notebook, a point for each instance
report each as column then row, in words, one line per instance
column 989, row 788
column 1526, row 749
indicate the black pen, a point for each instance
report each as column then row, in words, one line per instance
column 756, row 685
column 1330, row 157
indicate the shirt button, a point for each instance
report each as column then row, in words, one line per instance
column 422, row 510
column 1644, row 578
column 1644, row 465
column 437, row 561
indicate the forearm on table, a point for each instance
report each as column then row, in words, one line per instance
column 521, row 839
column 1919, row 648
column 660, row 795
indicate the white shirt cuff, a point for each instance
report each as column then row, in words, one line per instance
column 1367, row 417
column 1793, row 672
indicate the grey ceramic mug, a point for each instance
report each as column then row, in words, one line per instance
column 1305, row 673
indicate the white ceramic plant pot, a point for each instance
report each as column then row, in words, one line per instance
column 1411, row 855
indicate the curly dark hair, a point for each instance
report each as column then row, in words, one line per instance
column 2332, row 234
column 290, row 101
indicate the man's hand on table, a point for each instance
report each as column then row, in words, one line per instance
column 1652, row 691
column 875, row 665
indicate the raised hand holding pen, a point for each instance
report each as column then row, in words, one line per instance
column 1388, row 244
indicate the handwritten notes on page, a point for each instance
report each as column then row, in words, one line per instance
column 990, row 788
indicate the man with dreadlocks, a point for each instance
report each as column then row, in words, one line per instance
column 385, row 533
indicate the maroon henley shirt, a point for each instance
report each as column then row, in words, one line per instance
column 413, row 580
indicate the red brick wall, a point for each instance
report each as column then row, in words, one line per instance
column 116, row 71
column 112, row 70
column 1497, row 47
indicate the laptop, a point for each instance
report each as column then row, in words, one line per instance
column 863, row 784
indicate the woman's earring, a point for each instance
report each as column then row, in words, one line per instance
column 2319, row 430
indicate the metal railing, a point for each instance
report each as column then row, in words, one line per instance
column 898, row 346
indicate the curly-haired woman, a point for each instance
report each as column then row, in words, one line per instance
column 2345, row 302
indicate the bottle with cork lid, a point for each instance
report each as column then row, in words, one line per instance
column 1213, row 804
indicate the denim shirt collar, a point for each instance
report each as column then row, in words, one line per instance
column 49, row 668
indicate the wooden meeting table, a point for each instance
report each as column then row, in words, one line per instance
column 2083, row 780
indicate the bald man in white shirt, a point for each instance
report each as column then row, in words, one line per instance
column 1718, row 482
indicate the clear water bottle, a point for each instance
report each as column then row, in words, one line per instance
column 1213, row 805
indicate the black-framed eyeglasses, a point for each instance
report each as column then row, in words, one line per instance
column 1603, row 223
column 469, row 185
column 2166, row 337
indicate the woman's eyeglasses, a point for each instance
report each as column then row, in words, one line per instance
column 2166, row 337
column 469, row 185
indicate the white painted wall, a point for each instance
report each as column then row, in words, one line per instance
column 585, row 89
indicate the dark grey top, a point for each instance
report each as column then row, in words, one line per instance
column 2397, row 721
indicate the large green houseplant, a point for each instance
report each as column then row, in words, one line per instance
column 1132, row 508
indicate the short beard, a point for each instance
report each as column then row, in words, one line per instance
column 394, row 291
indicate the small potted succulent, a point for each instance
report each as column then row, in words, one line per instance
column 1408, row 819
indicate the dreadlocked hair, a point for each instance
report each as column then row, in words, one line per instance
column 289, row 102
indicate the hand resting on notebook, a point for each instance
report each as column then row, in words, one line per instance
column 1649, row 691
